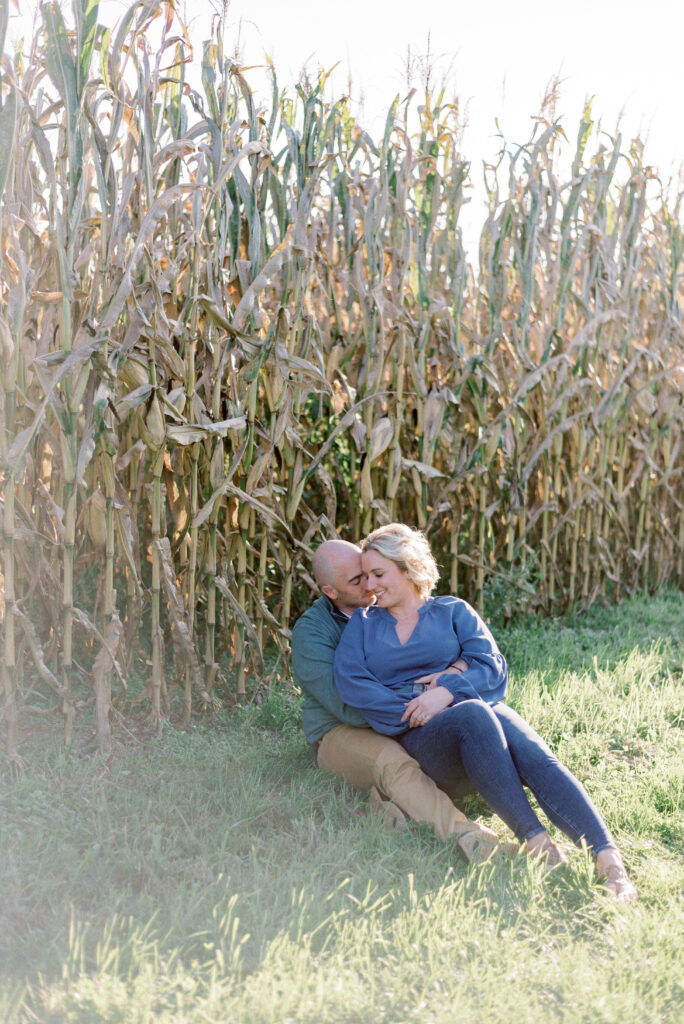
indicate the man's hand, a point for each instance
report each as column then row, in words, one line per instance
column 421, row 709
column 430, row 680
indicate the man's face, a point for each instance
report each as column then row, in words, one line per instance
column 350, row 586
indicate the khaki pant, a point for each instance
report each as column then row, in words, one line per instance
column 365, row 758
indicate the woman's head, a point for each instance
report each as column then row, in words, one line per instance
column 410, row 552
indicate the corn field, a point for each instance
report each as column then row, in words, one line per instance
column 234, row 326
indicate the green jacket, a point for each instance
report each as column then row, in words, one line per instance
column 314, row 638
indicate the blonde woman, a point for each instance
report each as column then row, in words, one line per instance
column 458, row 728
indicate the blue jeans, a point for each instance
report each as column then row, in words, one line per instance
column 495, row 751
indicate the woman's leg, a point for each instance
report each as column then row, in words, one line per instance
column 466, row 742
column 560, row 794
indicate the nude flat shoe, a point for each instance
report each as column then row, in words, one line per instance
column 618, row 884
column 547, row 853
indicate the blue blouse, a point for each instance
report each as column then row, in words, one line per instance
column 375, row 672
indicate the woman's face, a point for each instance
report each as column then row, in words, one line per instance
column 389, row 584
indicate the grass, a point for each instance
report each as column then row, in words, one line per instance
column 217, row 875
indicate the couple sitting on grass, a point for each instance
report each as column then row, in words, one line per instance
column 426, row 675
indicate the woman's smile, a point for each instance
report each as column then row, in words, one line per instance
column 392, row 588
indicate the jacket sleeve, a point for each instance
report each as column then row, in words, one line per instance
column 358, row 686
column 487, row 675
column 312, row 668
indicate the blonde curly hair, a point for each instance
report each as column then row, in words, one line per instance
column 410, row 552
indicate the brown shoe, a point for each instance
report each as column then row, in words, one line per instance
column 479, row 845
column 392, row 816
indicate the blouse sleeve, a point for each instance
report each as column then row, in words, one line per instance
column 486, row 676
column 360, row 688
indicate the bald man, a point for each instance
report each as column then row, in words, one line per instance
column 343, row 742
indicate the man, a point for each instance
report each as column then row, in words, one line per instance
column 343, row 742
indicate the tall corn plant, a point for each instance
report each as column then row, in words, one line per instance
column 232, row 327
column 10, row 367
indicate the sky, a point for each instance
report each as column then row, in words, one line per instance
column 497, row 58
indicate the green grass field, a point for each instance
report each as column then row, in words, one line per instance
column 217, row 875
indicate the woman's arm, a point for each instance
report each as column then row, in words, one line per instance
column 480, row 666
column 426, row 705
column 359, row 687
column 486, row 676
column 430, row 680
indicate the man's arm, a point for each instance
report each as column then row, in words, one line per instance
column 313, row 652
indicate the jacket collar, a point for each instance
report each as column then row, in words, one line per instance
column 334, row 610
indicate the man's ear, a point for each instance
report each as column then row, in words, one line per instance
column 330, row 592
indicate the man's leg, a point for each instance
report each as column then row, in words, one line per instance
column 365, row 759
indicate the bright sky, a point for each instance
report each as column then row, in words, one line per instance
column 497, row 58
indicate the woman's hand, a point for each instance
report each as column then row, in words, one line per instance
column 430, row 680
column 421, row 709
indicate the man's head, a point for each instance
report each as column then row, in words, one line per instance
column 337, row 568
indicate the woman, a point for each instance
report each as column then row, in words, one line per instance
column 458, row 729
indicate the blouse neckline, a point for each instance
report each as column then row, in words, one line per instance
column 421, row 611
